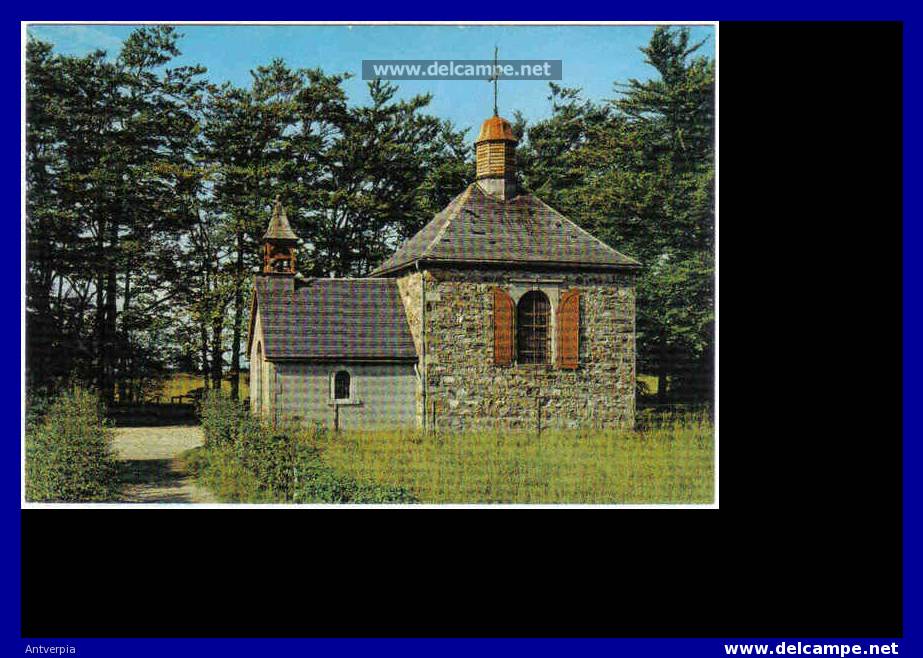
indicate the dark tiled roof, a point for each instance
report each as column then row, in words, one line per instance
column 477, row 228
column 348, row 319
column 279, row 228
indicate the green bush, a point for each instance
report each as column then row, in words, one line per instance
column 268, row 454
column 241, row 449
column 37, row 405
column 221, row 419
column 220, row 471
column 69, row 453
column 318, row 483
column 195, row 460
column 244, row 460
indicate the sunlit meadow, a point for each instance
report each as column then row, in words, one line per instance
column 670, row 463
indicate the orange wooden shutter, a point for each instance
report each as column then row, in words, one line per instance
column 503, row 328
column 569, row 329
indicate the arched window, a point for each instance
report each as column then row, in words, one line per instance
column 341, row 385
column 532, row 331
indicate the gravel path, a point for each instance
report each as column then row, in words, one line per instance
column 151, row 471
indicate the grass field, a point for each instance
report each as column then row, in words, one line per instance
column 669, row 458
column 181, row 383
column 650, row 381
column 673, row 464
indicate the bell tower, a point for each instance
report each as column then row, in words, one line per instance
column 495, row 150
column 279, row 243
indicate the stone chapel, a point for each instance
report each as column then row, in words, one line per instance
column 500, row 312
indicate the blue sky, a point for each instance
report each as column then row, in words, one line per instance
column 593, row 57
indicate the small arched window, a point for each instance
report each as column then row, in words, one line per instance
column 532, row 330
column 341, row 385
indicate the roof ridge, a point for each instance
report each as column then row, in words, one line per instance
column 458, row 204
column 584, row 231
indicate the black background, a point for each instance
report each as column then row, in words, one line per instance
column 807, row 539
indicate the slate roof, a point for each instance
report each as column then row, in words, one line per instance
column 332, row 319
column 279, row 228
column 478, row 228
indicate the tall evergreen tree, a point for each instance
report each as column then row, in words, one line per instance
column 638, row 172
column 379, row 173
column 100, row 131
column 673, row 117
column 149, row 191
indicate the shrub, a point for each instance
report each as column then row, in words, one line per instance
column 376, row 493
column 69, row 454
column 247, row 461
column 37, row 405
column 221, row 419
column 318, row 483
column 220, row 471
column 268, row 454
column 195, row 460
column 241, row 447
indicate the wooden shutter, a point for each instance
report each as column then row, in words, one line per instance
column 569, row 329
column 503, row 327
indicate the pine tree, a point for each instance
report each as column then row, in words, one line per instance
column 638, row 172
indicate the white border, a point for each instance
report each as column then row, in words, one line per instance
column 28, row 505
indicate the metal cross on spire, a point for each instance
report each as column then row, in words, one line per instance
column 495, row 76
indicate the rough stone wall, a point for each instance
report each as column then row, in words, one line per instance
column 470, row 391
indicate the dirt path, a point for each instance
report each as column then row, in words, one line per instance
column 150, row 469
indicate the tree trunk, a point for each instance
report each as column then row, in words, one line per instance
column 217, row 328
column 126, row 384
column 111, row 346
column 203, row 335
column 238, row 317
column 662, row 371
column 100, row 323
column 40, row 332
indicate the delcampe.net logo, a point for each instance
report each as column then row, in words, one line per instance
column 461, row 69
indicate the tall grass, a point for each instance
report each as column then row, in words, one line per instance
column 668, row 463
column 669, row 460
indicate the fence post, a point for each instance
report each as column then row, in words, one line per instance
column 336, row 417
column 538, row 415
column 434, row 415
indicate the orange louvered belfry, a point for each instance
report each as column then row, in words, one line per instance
column 569, row 329
column 503, row 328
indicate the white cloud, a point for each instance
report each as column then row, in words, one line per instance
column 77, row 39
